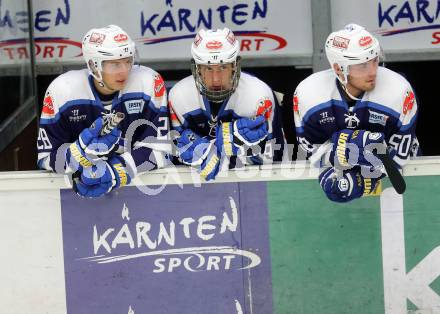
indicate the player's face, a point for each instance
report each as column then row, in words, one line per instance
column 217, row 77
column 115, row 73
column 362, row 77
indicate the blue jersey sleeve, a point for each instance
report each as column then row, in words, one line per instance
column 402, row 138
column 54, row 135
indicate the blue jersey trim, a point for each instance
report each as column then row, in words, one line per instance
column 408, row 126
column 190, row 114
column 67, row 105
column 380, row 107
column 299, row 129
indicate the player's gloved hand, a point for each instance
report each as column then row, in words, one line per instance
column 199, row 152
column 192, row 148
column 244, row 132
column 211, row 164
column 77, row 159
column 101, row 178
column 346, row 186
column 90, row 146
column 354, row 147
column 95, row 144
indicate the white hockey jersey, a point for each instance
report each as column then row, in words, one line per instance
column 71, row 104
column 191, row 110
column 391, row 108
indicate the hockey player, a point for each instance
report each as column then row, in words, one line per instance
column 78, row 105
column 344, row 114
column 224, row 117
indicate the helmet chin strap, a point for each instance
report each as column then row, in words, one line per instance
column 344, row 85
column 100, row 82
column 98, row 78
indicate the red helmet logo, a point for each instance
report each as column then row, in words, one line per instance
column 365, row 41
column 97, row 38
column 341, row 42
column 120, row 37
column 214, row 44
column 230, row 38
column 197, row 40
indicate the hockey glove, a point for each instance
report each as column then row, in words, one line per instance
column 95, row 144
column 77, row 159
column 102, row 178
column 192, row 148
column 348, row 186
column 199, row 152
column 355, row 147
column 244, row 132
column 210, row 165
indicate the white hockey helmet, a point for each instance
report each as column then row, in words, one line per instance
column 214, row 47
column 349, row 46
column 107, row 43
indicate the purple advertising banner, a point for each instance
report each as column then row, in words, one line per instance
column 192, row 250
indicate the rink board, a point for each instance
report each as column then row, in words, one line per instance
column 246, row 247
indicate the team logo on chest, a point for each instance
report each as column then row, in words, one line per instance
column 134, row 106
column 351, row 120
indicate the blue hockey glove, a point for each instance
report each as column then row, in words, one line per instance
column 225, row 139
column 192, row 148
column 210, row 165
column 244, row 132
column 348, row 186
column 354, row 147
column 251, row 131
column 77, row 159
column 95, row 144
column 198, row 152
column 102, row 178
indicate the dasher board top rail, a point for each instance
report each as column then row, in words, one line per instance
column 299, row 170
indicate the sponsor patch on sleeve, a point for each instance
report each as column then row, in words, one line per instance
column 264, row 108
column 408, row 103
column 159, row 86
column 295, row 103
column 48, row 110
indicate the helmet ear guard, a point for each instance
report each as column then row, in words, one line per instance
column 215, row 47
